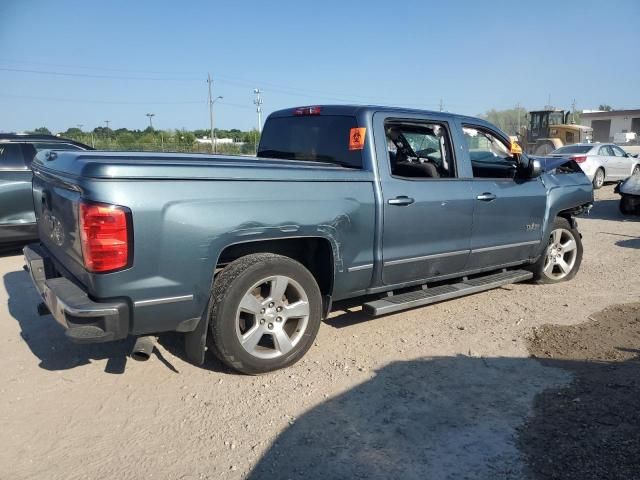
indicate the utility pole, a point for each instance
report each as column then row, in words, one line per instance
column 573, row 111
column 441, row 105
column 210, row 101
column 518, row 111
column 107, row 122
column 258, row 103
column 150, row 115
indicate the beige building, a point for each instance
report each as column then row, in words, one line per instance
column 606, row 124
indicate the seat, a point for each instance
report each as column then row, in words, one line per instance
column 416, row 170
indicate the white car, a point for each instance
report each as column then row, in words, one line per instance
column 601, row 162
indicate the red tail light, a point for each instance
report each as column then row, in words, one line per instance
column 307, row 111
column 104, row 234
column 580, row 158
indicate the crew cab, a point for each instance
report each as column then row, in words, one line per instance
column 247, row 254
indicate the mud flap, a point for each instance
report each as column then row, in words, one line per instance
column 195, row 341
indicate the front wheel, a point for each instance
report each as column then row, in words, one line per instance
column 562, row 256
column 636, row 170
column 266, row 312
column 626, row 207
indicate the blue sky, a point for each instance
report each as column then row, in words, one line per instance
column 66, row 62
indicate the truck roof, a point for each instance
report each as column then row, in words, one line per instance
column 359, row 109
column 367, row 110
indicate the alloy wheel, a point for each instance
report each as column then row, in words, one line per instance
column 561, row 255
column 272, row 317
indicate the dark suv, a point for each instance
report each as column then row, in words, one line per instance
column 17, row 219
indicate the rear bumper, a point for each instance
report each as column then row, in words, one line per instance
column 84, row 320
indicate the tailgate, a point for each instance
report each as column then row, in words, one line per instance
column 56, row 201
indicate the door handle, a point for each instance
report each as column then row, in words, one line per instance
column 486, row 197
column 401, row 200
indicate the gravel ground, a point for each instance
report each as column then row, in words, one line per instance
column 446, row 391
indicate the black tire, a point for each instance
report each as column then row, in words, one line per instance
column 538, row 268
column 598, row 179
column 232, row 285
column 636, row 170
column 626, row 207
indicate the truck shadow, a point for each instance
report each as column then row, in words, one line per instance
column 470, row 417
column 629, row 243
column 45, row 337
column 608, row 210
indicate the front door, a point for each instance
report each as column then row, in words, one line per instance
column 509, row 211
column 428, row 209
column 622, row 162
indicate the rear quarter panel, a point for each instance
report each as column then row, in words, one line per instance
column 181, row 226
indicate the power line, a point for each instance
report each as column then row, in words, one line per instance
column 105, row 102
column 91, row 75
column 99, row 69
column 276, row 88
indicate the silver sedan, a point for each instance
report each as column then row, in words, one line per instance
column 601, row 162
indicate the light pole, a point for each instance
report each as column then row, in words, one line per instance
column 214, row 139
column 211, row 102
column 107, row 122
column 258, row 103
column 150, row 115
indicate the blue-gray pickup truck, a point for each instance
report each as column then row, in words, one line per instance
column 245, row 255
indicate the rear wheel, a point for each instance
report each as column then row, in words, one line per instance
column 266, row 313
column 563, row 255
column 636, row 170
column 598, row 179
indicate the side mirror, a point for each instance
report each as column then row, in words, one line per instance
column 535, row 168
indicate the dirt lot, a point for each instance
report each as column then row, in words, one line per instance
column 444, row 392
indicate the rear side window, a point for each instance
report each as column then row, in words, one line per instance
column 573, row 149
column 419, row 150
column 605, row 151
column 55, row 146
column 317, row 138
column 11, row 157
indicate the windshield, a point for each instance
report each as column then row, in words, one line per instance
column 572, row 149
column 319, row 138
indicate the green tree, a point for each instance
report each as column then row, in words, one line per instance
column 605, row 108
column 73, row 132
column 507, row 120
column 41, row 131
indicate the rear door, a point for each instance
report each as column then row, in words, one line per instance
column 16, row 204
column 508, row 210
column 427, row 206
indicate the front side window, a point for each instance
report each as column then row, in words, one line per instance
column 419, row 150
column 490, row 156
column 617, row 151
column 11, row 157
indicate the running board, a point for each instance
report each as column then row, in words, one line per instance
column 404, row 301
